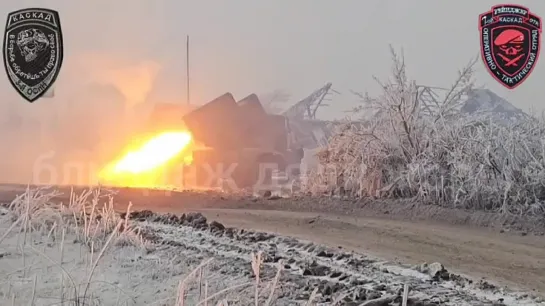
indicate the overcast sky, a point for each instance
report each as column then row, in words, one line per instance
column 246, row 46
column 135, row 49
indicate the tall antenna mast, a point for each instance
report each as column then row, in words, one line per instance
column 187, row 70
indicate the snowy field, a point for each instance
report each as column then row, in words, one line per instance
column 83, row 253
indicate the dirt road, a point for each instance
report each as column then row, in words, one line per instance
column 511, row 260
column 387, row 231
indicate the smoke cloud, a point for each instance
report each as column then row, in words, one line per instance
column 105, row 90
column 122, row 57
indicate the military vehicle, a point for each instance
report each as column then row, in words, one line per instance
column 234, row 143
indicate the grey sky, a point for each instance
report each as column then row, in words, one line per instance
column 244, row 45
column 137, row 48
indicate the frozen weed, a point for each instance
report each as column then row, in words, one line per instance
column 403, row 147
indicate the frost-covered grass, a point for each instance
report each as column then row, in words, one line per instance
column 432, row 152
column 54, row 253
column 85, row 220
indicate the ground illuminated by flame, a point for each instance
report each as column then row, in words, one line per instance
column 144, row 165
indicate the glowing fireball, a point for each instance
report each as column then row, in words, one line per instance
column 143, row 165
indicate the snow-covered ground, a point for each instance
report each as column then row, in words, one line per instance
column 58, row 255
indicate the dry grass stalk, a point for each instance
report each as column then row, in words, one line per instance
column 97, row 226
column 37, row 212
column 312, row 297
column 405, row 295
column 257, row 261
column 280, row 267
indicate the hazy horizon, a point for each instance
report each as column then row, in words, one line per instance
column 126, row 53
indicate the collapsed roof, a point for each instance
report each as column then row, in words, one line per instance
column 486, row 102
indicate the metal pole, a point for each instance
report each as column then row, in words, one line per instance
column 187, row 70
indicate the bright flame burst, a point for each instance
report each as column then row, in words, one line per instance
column 146, row 165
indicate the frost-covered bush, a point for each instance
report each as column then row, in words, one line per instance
column 403, row 147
